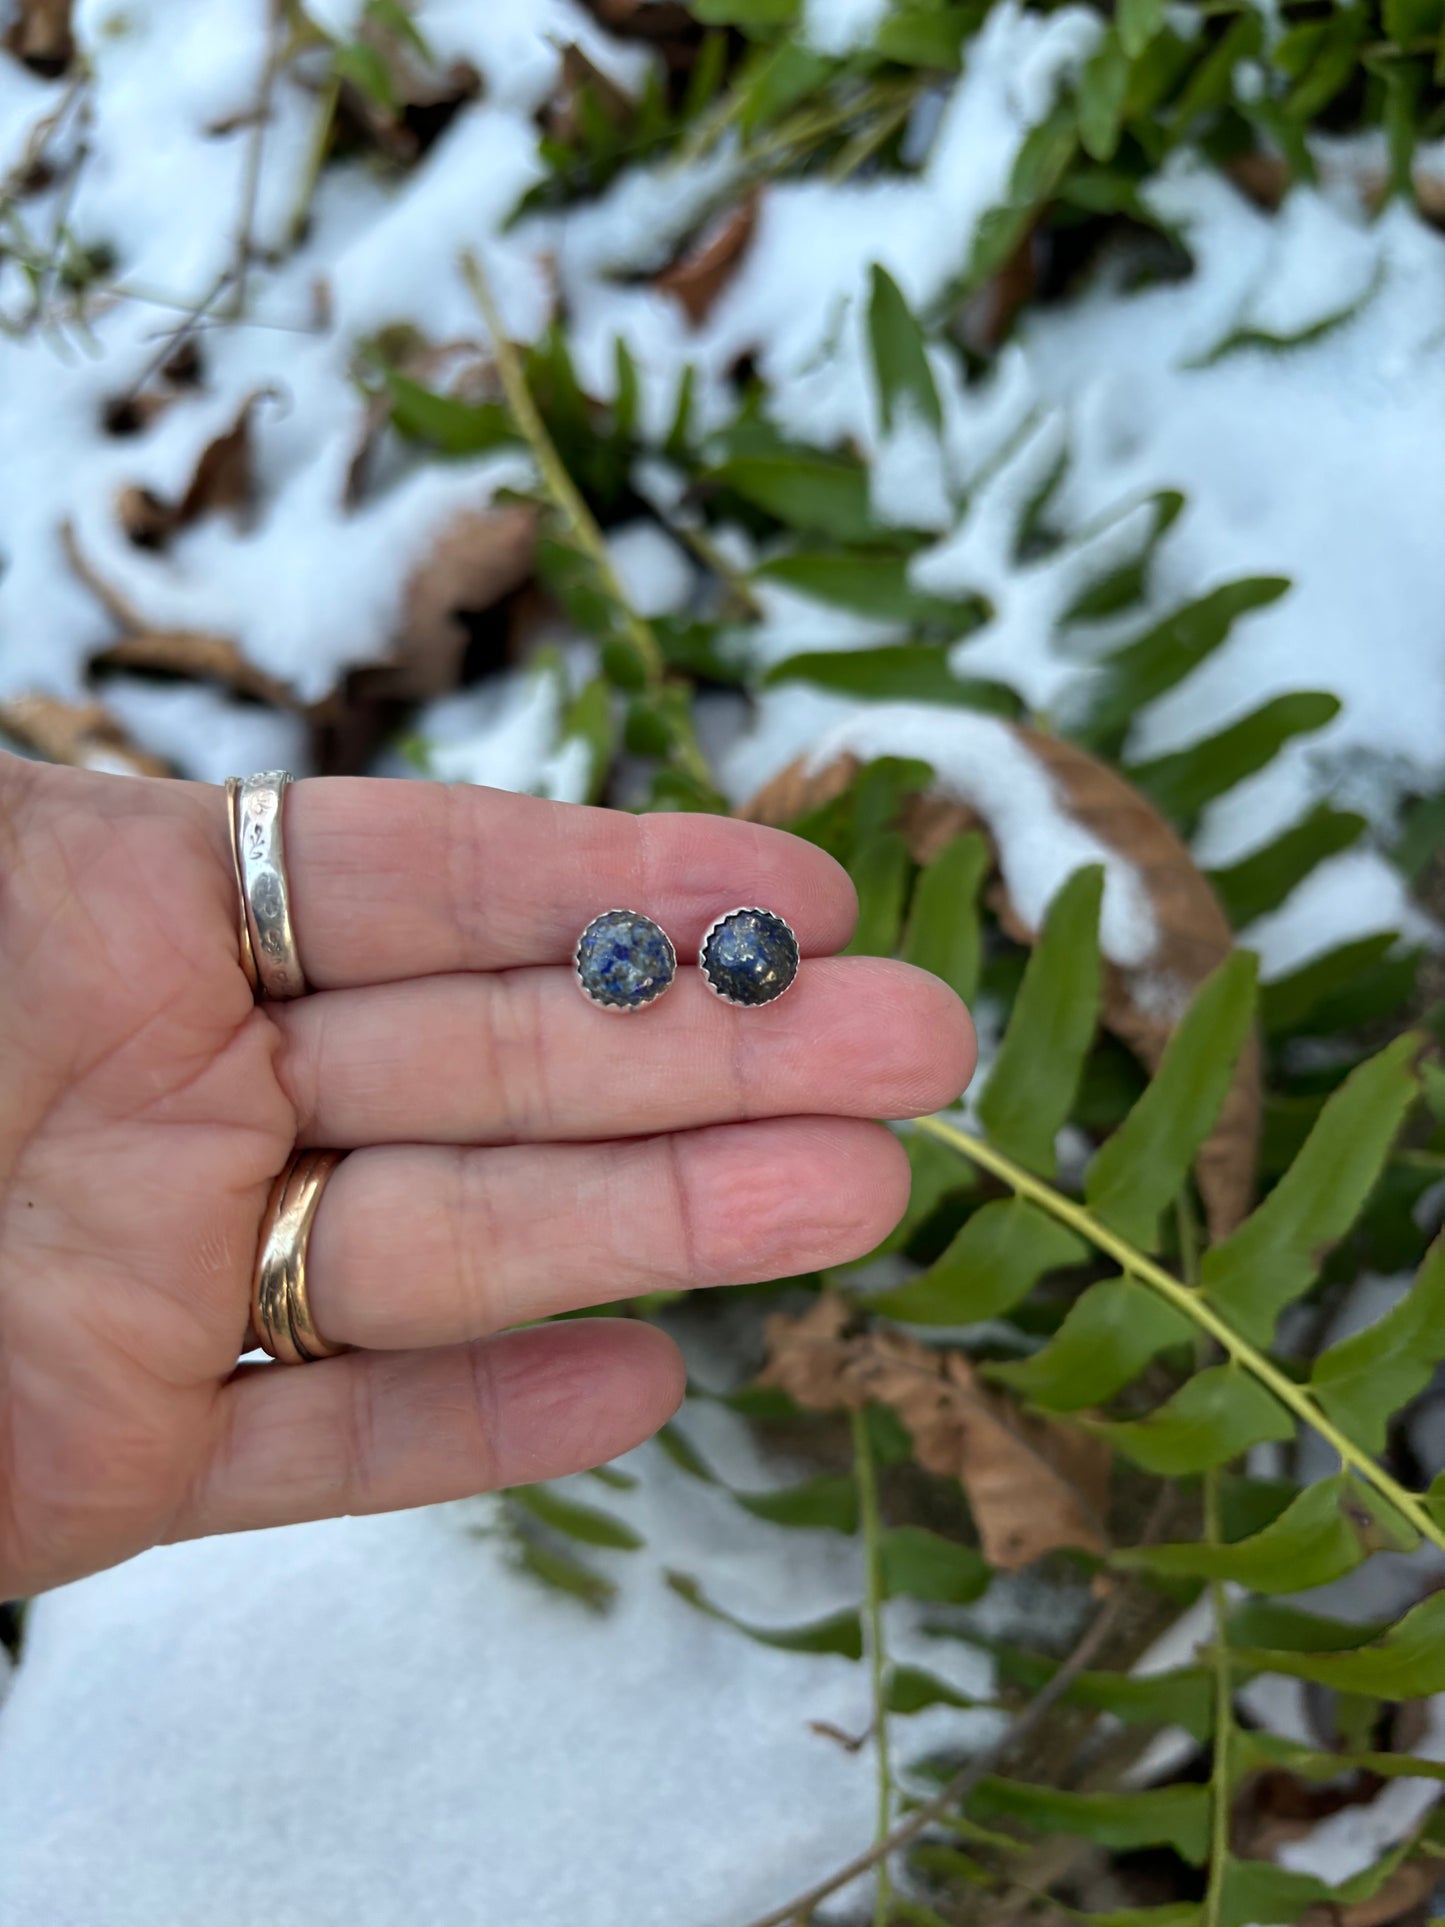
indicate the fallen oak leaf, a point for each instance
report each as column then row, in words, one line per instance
column 1034, row 1485
column 1141, row 1004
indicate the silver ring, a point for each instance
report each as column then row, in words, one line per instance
column 264, row 889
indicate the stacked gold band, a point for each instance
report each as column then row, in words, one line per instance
column 280, row 1310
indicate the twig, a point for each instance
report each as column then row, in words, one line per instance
column 232, row 278
column 966, row 1781
column 867, row 1475
column 581, row 526
column 255, row 146
column 315, row 158
column 1295, row 1398
column 41, row 135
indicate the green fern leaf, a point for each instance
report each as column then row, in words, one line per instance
column 1030, row 1091
column 1108, row 1336
column 1144, row 1166
column 994, row 1262
column 1211, row 1419
column 1274, row 1256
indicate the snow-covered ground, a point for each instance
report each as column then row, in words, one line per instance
column 373, row 1720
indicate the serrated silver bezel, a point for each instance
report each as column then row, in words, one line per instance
column 759, row 910
column 622, row 1010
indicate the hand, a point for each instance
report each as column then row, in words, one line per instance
column 518, row 1152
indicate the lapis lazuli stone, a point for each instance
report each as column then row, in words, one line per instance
column 750, row 957
column 624, row 960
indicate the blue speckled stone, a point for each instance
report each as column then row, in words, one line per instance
column 751, row 957
column 624, row 961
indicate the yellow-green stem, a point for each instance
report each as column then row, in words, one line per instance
column 870, row 1520
column 1221, row 1757
column 1219, row 1775
column 567, row 499
column 1295, row 1398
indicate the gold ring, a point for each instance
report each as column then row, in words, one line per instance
column 280, row 1310
column 248, row 954
column 265, row 890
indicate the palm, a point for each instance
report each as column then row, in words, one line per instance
column 514, row 1152
column 143, row 1123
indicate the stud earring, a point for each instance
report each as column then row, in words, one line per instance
column 624, row 961
column 749, row 957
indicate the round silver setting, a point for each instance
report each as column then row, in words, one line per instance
column 653, row 996
column 756, row 910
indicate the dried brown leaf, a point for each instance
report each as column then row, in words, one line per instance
column 184, row 652
column 1405, row 1891
column 222, row 483
column 41, row 33
column 1033, row 1484
column 699, row 276
column 479, row 557
column 84, row 735
column 1141, row 1006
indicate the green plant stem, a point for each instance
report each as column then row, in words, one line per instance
column 1295, row 1398
column 1219, row 1773
column 567, row 500
column 867, row 1476
column 315, row 159
column 1221, row 1759
column 957, row 1791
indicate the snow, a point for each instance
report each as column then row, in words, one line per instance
column 655, row 574
column 1315, row 464
column 451, row 1735
column 382, row 1718
column 838, row 26
column 1344, row 1844
column 504, row 734
column 981, row 761
column 1351, row 895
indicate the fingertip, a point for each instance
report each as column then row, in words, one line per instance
column 576, row 1393
column 936, row 1047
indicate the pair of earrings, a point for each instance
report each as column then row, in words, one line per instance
column 625, row 961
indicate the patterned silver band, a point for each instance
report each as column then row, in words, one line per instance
column 262, row 852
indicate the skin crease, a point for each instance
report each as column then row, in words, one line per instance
column 146, row 1103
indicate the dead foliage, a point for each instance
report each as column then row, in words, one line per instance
column 476, row 559
column 84, row 735
column 701, row 274
column 223, row 483
column 1033, row 1485
column 1141, row 1006
column 423, row 95
column 40, row 34
column 199, row 655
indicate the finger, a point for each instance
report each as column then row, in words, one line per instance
column 374, row 1432
column 397, row 879
column 416, row 1247
column 518, row 1056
